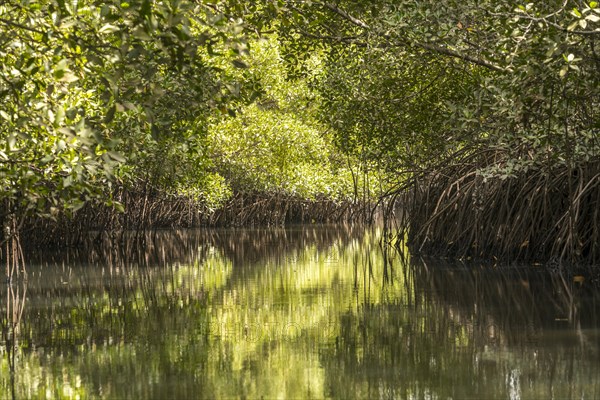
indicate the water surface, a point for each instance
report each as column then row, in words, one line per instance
column 303, row 312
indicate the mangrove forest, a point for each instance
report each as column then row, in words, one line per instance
column 477, row 120
column 287, row 198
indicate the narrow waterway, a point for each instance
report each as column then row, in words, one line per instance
column 302, row 312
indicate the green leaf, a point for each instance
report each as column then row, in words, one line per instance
column 108, row 28
column 12, row 141
column 572, row 27
column 239, row 64
column 116, row 156
column 141, row 34
column 563, row 71
column 62, row 64
column 67, row 181
column 119, row 207
column 593, row 18
column 77, row 205
column 68, row 77
column 59, row 115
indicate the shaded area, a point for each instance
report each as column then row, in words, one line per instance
column 545, row 212
column 472, row 332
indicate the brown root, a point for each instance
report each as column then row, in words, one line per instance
column 535, row 214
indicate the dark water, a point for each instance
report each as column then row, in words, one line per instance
column 314, row 312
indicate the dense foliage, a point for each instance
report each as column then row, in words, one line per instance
column 67, row 70
column 413, row 80
column 277, row 143
column 103, row 98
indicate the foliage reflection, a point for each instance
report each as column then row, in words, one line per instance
column 303, row 312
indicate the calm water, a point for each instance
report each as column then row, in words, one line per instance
column 314, row 312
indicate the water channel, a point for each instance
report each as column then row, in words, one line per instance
column 302, row 312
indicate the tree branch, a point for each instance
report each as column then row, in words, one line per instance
column 17, row 25
column 454, row 54
column 347, row 16
column 425, row 46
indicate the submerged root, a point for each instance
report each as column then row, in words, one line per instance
column 10, row 248
column 535, row 215
column 146, row 208
column 279, row 209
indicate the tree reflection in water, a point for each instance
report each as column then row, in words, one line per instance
column 472, row 332
column 299, row 312
column 16, row 293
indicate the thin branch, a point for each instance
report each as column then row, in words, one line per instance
column 455, row 54
column 347, row 16
column 20, row 26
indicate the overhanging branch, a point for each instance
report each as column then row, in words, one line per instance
column 347, row 16
column 455, row 54
column 425, row 46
